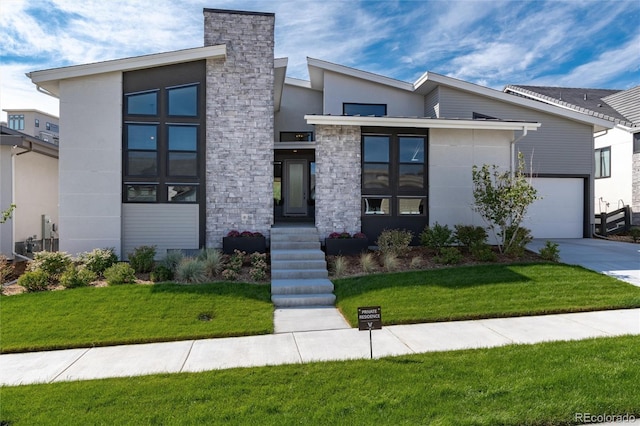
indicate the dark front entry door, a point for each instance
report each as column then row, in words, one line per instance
column 295, row 187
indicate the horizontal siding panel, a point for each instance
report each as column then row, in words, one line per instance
column 166, row 226
column 559, row 146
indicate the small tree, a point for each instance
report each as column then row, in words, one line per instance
column 502, row 200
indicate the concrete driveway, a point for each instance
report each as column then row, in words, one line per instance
column 617, row 259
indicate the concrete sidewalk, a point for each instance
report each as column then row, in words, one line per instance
column 310, row 346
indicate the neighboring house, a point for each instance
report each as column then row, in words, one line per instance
column 176, row 149
column 34, row 123
column 28, row 179
column 617, row 150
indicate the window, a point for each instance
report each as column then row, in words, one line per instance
column 16, row 121
column 603, row 162
column 377, row 110
column 37, row 123
column 478, row 116
column 636, row 143
column 296, row 136
column 393, row 173
column 183, row 101
column 145, row 193
column 142, row 103
column 183, row 151
column 141, row 150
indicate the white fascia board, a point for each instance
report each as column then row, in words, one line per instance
column 424, row 123
column 422, row 86
column 50, row 78
column 305, row 84
column 280, row 62
column 317, row 68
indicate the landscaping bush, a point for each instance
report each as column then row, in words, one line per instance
column 172, row 260
column 483, row 253
column 6, row 268
column 229, row 275
column 213, row 261
column 37, row 280
column 77, row 276
column 191, row 271
column 449, row 256
column 519, row 238
column 161, row 273
column 390, row 261
column 635, row 233
column 340, row 264
column 98, row 260
column 120, row 273
column 550, row 251
column 468, row 235
column 52, row 263
column 258, row 271
column 367, row 263
column 395, row 241
column 141, row 260
column 436, row 237
column 236, row 261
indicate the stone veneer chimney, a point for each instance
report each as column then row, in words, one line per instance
column 239, row 146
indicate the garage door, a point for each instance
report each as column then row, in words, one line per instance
column 559, row 214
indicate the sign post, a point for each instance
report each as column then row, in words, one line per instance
column 370, row 318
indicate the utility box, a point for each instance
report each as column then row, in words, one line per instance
column 47, row 227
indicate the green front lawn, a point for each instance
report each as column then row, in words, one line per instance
column 114, row 315
column 473, row 292
column 544, row 384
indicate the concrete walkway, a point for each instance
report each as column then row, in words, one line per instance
column 617, row 259
column 310, row 346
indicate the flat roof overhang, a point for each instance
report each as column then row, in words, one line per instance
column 421, row 122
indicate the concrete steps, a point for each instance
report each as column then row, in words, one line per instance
column 299, row 275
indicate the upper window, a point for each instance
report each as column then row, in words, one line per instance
column 183, row 101
column 296, row 136
column 16, row 121
column 37, row 123
column 603, row 162
column 636, row 143
column 377, row 110
column 141, row 150
column 375, row 165
column 478, row 116
column 183, row 151
column 411, row 167
column 142, row 103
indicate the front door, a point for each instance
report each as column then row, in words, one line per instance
column 295, row 186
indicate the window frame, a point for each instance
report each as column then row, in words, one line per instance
column 307, row 134
column 345, row 105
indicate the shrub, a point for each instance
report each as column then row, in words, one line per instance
column 77, row 276
column 191, row 271
column 141, row 260
column 518, row 237
column 449, row 256
column 483, row 253
column 6, row 268
column 37, row 280
column 468, row 235
column 236, row 260
column 213, row 261
column 436, row 237
column 367, row 263
column 340, row 264
column 98, row 260
column 229, row 275
column 258, row 271
column 161, row 273
column 416, row 262
column 550, row 251
column 120, row 273
column 394, row 241
column 635, row 233
column 52, row 263
column 172, row 260
column 390, row 261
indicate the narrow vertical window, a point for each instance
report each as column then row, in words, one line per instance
column 603, row 162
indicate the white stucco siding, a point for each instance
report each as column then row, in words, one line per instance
column 452, row 154
column 36, row 193
column 6, row 198
column 339, row 88
column 90, row 163
column 617, row 189
column 296, row 102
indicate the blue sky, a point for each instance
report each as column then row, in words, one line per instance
column 576, row 43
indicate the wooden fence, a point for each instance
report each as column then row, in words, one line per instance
column 616, row 222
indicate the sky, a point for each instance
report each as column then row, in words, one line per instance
column 570, row 43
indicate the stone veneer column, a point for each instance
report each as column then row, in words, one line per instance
column 635, row 188
column 239, row 151
column 338, row 171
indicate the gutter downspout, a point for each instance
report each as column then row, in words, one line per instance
column 525, row 130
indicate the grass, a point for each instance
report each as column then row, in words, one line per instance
column 545, row 384
column 85, row 317
column 487, row 291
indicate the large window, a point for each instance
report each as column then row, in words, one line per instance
column 378, row 110
column 393, row 174
column 163, row 137
column 16, row 121
column 603, row 162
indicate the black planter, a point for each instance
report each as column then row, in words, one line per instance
column 245, row 244
column 345, row 246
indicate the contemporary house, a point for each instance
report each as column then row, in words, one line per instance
column 28, row 179
column 177, row 148
column 616, row 150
